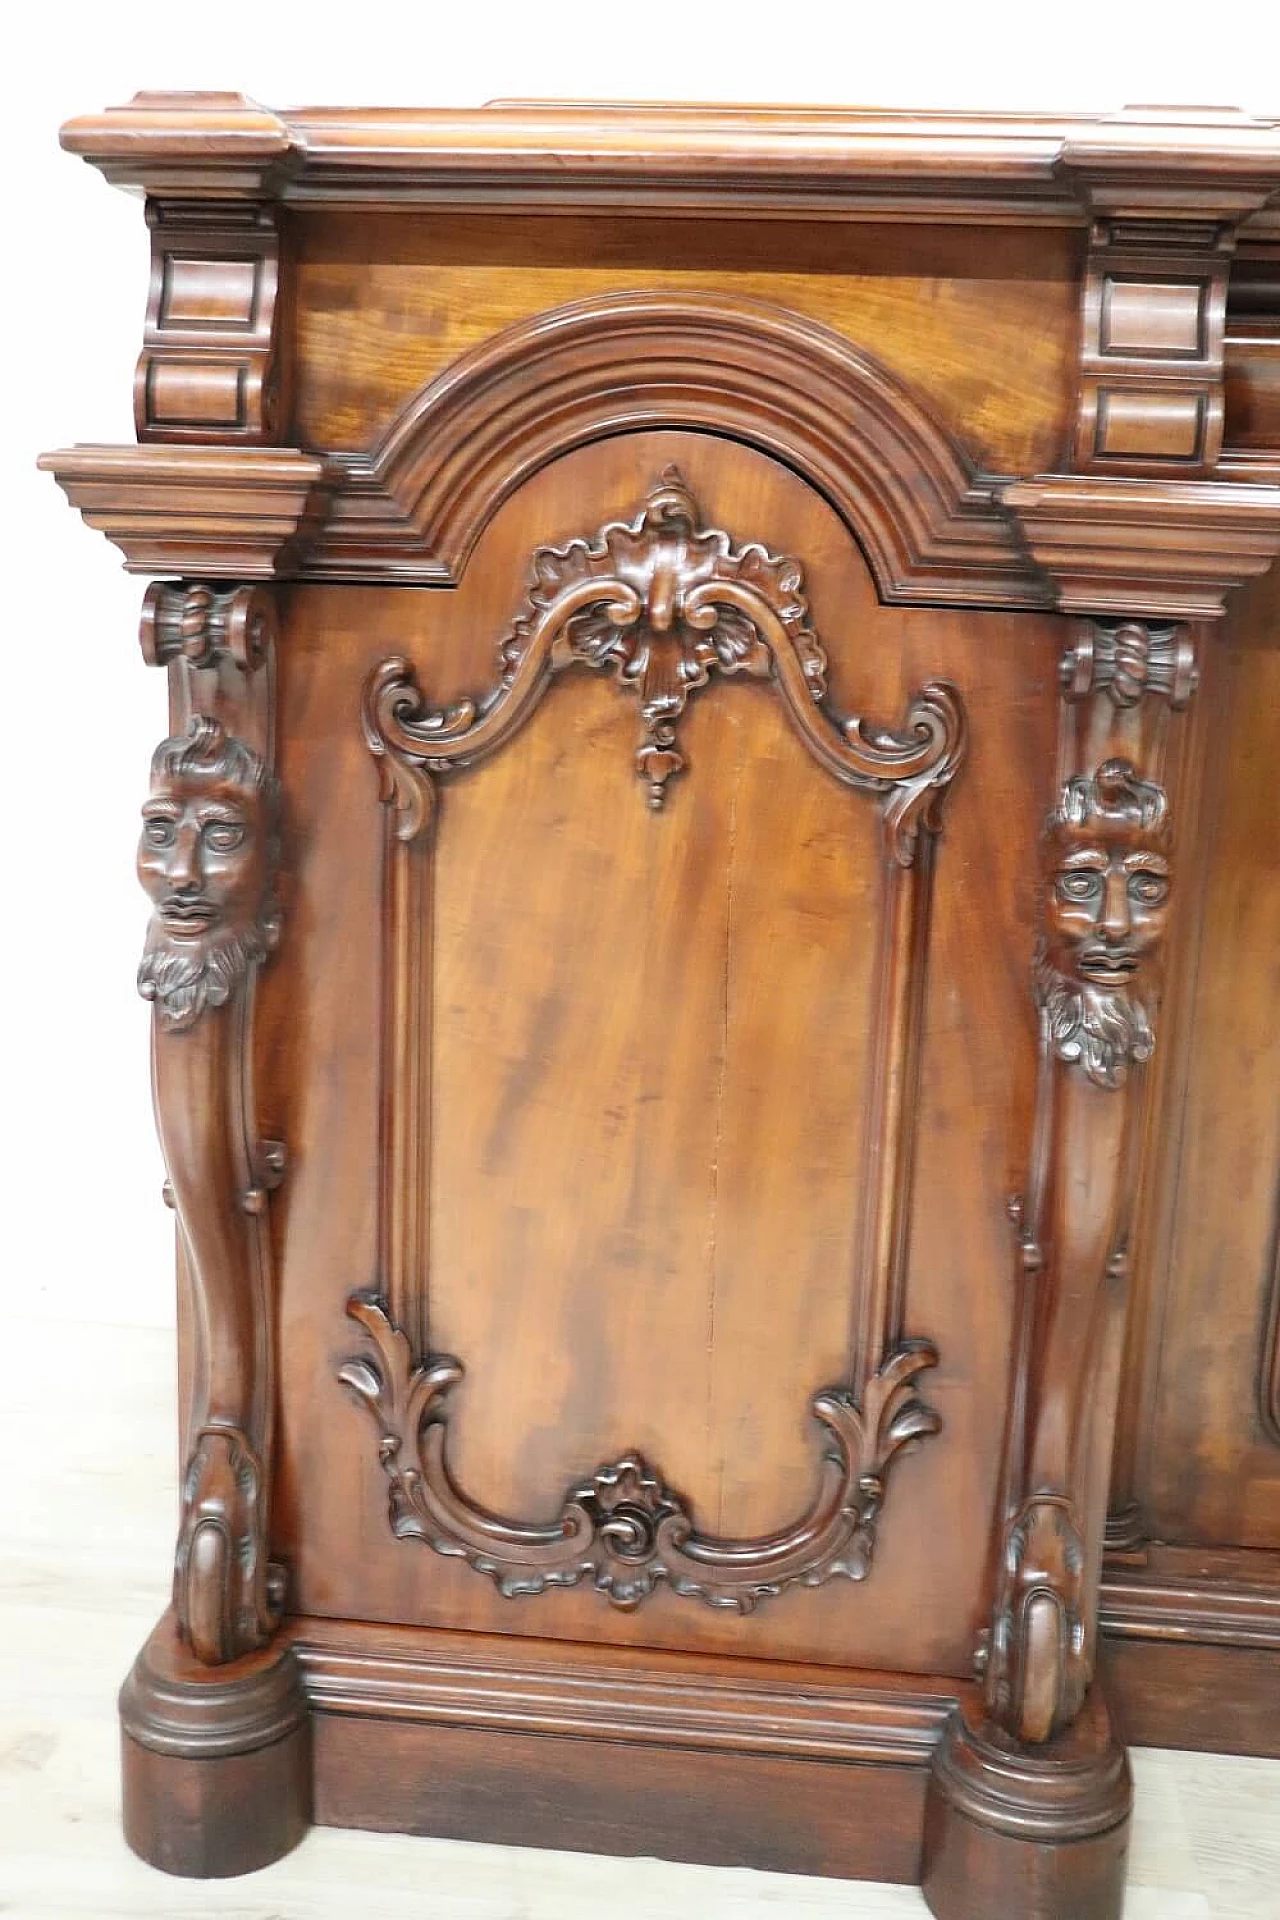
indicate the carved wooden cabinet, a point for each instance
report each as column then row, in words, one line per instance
column 713, row 958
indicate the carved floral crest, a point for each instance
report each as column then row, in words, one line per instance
column 664, row 602
column 661, row 624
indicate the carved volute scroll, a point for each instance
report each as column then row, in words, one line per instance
column 208, row 858
column 664, row 603
column 1107, row 875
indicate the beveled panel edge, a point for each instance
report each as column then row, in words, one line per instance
column 637, row 1695
column 825, row 162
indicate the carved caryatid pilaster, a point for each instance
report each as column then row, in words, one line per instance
column 208, row 858
column 664, row 603
column 1107, row 852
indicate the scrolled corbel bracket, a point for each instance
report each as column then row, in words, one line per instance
column 1107, row 876
column 216, row 361
column 1150, row 396
column 209, row 860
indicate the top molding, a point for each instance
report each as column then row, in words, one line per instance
column 823, row 163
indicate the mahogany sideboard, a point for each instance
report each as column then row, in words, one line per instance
column 714, row 953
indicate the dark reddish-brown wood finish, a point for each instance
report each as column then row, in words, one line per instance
column 714, row 923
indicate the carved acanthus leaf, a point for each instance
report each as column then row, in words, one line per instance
column 623, row 1529
column 664, row 603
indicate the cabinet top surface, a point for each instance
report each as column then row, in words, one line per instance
column 815, row 161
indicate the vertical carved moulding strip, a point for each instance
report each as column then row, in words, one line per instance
column 663, row 603
column 1107, row 875
column 408, row 799
column 209, row 859
column 1269, row 1376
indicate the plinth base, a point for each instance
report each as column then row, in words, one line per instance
column 216, row 1760
column 1037, row 1832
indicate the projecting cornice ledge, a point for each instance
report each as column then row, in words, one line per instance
column 224, row 513
column 1146, row 548
column 564, row 155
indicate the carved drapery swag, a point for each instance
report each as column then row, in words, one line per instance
column 208, row 858
column 664, row 603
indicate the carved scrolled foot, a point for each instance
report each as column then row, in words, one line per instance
column 1032, row 1833
column 217, row 1763
column 226, row 1594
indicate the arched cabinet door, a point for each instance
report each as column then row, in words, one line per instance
column 661, row 835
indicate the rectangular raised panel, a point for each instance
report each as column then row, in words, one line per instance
column 1146, row 425
column 211, row 395
column 1153, row 317
column 214, row 293
column 652, row 1039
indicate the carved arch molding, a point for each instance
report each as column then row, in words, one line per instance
column 666, row 605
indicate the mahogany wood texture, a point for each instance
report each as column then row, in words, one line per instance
column 713, row 945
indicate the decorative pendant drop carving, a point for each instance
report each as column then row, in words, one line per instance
column 664, row 603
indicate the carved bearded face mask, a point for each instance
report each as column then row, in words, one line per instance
column 1108, row 900
column 1107, row 896
column 206, row 858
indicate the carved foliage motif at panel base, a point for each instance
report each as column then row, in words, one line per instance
column 208, row 858
column 664, row 603
column 623, row 1529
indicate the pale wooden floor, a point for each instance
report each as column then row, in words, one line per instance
column 86, row 1426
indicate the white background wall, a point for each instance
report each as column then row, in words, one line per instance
column 83, row 1234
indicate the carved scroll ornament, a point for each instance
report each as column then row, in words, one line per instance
column 664, row 603
column 623, row 1529
column 1107, row 869
column 207, row 858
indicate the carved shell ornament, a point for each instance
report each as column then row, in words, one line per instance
column 665, row 632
